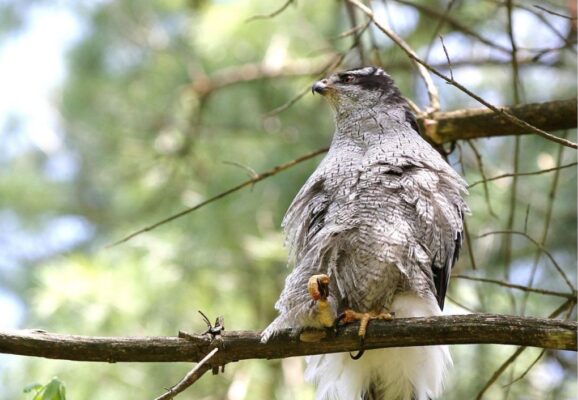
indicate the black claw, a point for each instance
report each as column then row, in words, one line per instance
column 323, row 289
column 338, row 320
column 361, row 351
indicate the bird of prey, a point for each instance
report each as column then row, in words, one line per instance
column 374, row 232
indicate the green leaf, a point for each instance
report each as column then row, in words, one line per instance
column 54, row 390
column 36, row 387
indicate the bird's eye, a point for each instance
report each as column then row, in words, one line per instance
column 347, row 78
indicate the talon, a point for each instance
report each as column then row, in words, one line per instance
column 318, row 287
column 322, row 309
column 349, row 316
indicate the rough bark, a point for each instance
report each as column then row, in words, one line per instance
column 482, row 122
column 240, row 345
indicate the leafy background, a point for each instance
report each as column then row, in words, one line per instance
column 104, row 130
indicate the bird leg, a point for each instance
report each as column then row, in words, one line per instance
column 349, row 316
column 324, row 315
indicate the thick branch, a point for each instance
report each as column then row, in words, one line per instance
column 482, row 122
column 241, row 345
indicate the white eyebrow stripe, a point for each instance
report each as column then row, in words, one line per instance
column 363, row 71
column 367, row 71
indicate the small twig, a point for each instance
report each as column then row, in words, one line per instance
column 546, row 22
column 442, row 19
column 541, row 247
column 273, row 14
column 430, row 86
column 518, row 287
column 204, row 86
column 555, row 13
column 288, row 104
column 348, row 32
column 332, row 65
column 448, row 58
column 499, row 371
column 470, row 247
column 191, row 377
column 454, row 23
column 461, row 305
column 542, row 171
column 259, row 177
column 519, row 378
column 526, row 218
column 484, row 178
column 356, row 42
column 250, row 171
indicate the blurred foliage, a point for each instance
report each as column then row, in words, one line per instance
column 140, row 144
column 54, row 390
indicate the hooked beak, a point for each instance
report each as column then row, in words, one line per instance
column 320, row 87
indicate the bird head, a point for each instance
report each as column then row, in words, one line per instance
column 358, row 89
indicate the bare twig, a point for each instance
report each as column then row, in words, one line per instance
column 554, row 13
column 517, row 287
column 259, row 177
column 358, row 44
column 273, row 14
column 545, row 21
column 461, row 305
column 484, row 178
column 250, row 171
column 438, row 28
column 447, row 58
column 191, row 377
column 430, row 86
column 205, row 85
column 519, row 378
column 434, row 13
column 499, row 372
column 470, row 247
column 290, row 103
column 539, row 172
column 541, row 247
column 334, row 64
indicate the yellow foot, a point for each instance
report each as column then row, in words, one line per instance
column 318, row 288
column 349, row 316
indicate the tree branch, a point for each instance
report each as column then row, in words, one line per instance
column 481, row 122
column 242, row 345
